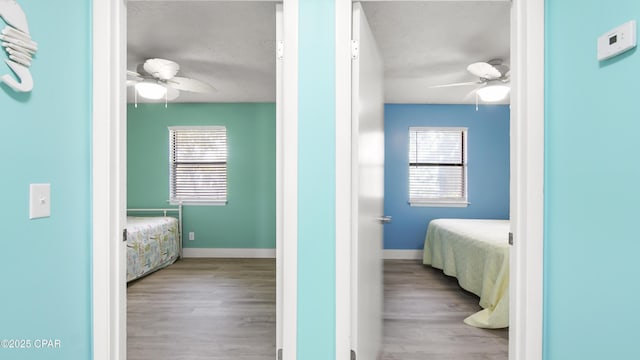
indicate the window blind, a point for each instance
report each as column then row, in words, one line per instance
column 437, row 165
column 198, row 164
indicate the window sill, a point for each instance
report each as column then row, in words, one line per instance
column 439, row 204
column 199, row 203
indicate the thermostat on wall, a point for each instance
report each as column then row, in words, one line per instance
column 617, row 41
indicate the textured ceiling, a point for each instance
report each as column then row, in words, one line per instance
column 231, row 45
column 431, row 43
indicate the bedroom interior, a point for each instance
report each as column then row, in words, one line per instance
column 239, row 103
column 231, row 47
column 233, row 52
column 427, row 84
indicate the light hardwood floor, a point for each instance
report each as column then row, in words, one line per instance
column 215, row 309
column 225, row 309
column 423, row 317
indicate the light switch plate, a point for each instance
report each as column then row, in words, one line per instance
column 39, row 200
column 616, row 41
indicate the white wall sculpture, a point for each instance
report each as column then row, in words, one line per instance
column 18, row 45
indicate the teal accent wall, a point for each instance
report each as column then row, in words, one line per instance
column 46, row 263
column 249, row 218
column 316, row 181
column 592, row 121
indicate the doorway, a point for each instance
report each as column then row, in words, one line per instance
column 526, row 173
column 430, row 95
column 230, row 46
column 254, row 114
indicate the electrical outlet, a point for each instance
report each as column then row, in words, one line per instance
column 192, row 235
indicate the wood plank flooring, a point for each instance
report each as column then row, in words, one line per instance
column 211, row 309
column 225, row 309
column 423, row 317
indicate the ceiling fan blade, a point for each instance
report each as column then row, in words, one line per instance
column 172, row 93
column 132, row 75
column 472, row 93
column 456, row 84
column 504, row 70
column 141, row 71
column 186, row 84
column 161, row 68
column 484, row 70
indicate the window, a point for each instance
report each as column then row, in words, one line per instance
column 437, row 166
column 198, row 165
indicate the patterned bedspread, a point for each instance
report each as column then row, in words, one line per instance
column 152, row 243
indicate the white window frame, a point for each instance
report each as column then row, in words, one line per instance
column 192, row 201
column 440, row 202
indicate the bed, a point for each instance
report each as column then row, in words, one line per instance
column 476, row 252
column 153, row 242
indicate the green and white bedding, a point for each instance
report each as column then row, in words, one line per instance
column 152, row 243
column 476, row 252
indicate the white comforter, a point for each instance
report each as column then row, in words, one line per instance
column 476, row 252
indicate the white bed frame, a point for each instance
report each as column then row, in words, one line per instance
column 164, row 212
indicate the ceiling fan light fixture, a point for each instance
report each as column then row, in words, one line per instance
column 493, row 93
column 151, row 90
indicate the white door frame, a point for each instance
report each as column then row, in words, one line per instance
column 343, row 179
column 108, row 168
column 109, row 191
column 527, row 175
column 288, row 252
column 527, row 180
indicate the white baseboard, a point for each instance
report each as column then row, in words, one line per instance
column 402, row 254
column 227, row 253
column 271, row 253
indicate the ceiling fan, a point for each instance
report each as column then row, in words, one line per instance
column 156, row 79
column 493, row 77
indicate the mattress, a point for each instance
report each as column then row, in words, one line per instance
column 476, row 252
column 152, row 244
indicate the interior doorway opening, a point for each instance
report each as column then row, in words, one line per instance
column 430, row 88
column 227, row 277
